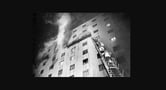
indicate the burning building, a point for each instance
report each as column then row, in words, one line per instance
column 88, row 52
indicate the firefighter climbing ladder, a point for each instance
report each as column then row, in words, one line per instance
column 108, row 68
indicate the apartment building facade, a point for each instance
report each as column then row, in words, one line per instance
column 79, row 58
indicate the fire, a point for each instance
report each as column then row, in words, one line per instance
column 63, row 23
column 63, row 32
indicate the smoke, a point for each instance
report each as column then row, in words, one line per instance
column 64, row 26
column 63, row 21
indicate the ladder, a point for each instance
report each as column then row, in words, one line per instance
column 113, row 69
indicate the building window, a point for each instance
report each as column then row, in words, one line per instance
column 85, row 61
column 60, row 72
column 93, row 20
column 41, row 72
column 73, row 49
column 74, row 30
column 74, row 36
column 105, row 19
column 72, row 67
column 61, row 62
column 101, row 67
column 53, row 59
column 44, row 63
column 63, row 54
column 45, row 56
column 95, row 31
column 94, row 25
column 98, row 55
column 110, row 31
column 85, row 51
column 71, row 58
column 86, row 73
column 85, row 43
column 49, row 75
column 84, row 31
column 51, row 67
column 84, row 25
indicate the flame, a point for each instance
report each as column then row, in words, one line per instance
column 63, row 32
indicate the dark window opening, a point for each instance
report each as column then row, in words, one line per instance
column 74, row 36
column 85, row 61
column 110, row 31
column 74, row 30
column 93, row 20
column 98, row 55
column 84, row 25
column 105, row 19
column 85, row 51
column 63, row 54
column 41, row 72
column 95, row 25
column 44, row 63
column 49, row 75
column 72, row 67
column 84, row 31
column 60, row 72
column 101, row 67
column 46, row 56
column 73, row 49
column 95, row 31
column 85, row 43
column 53, row 59
column 71, row 58
column 85, row 73
column 51, row 67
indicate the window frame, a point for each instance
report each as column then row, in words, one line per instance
column 71, row 58
column 74, row 36
column 60, row 72
column 74, row 30
column 85, row 52
column 42, row 71
column 84, row 25
column 72, row 67
column 86, row 73
column 63, row 54
column 84, row 43
column 84, row 31
column 85, row 61
column 94, row 20
column 94, row 25
column 95, row 31
column 101, row 67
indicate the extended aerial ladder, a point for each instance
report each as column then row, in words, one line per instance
column 109, row 63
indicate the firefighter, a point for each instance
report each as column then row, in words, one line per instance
column 101, row 50
column 101, row 44
column 107, row 55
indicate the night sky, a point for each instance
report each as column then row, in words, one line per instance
column 42, row 32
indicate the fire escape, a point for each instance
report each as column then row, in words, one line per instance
column 108, row 60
